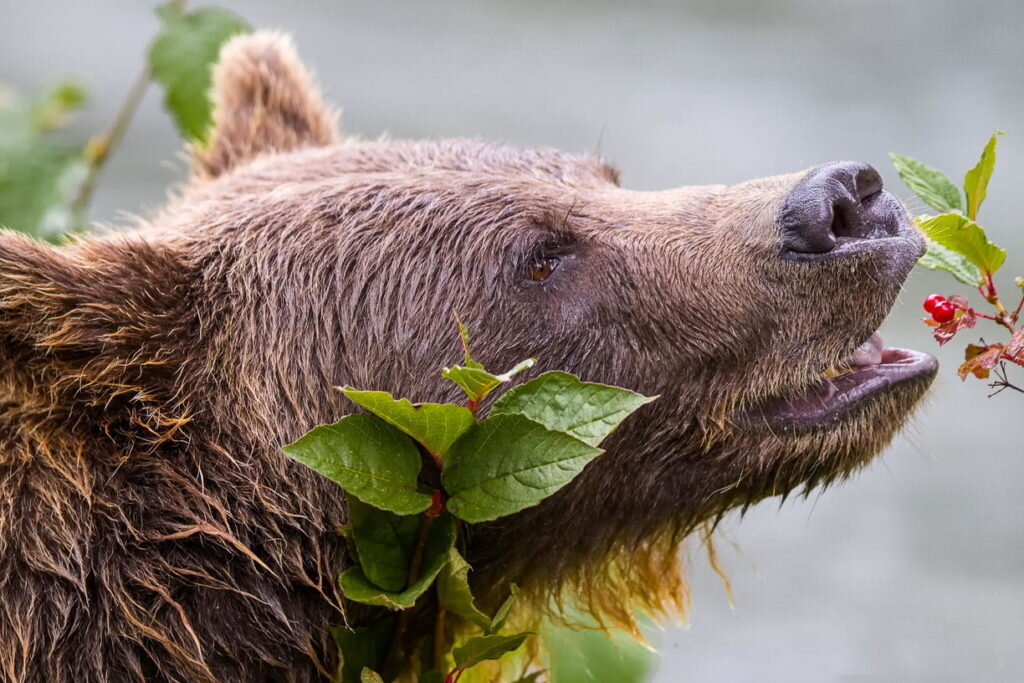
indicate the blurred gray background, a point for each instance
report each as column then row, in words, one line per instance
column 912, row 571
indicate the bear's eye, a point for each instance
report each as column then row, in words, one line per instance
column 542, row 268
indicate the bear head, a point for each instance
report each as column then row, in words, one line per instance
column 187, row 351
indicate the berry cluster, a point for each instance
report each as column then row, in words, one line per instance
column 941, row 309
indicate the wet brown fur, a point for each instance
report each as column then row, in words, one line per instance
column 151, row 530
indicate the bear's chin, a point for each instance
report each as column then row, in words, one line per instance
column 821, row 435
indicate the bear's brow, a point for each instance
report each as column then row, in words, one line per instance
column 474, row 156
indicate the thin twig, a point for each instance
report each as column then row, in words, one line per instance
column 100, row 148
column 1003, row 383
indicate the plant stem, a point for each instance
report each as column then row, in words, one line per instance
column 991, row 294
column 976, row 313
column 1012, row 359
column 1003, row 317
column 1003, row 383
column 393, row 662
column 1006, row 320
column 100, row 148
column 439, row 641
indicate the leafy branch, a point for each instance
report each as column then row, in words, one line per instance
column 46, row 189
column 1002, row 383
column 100, row 148
column 407, row 537
column 958, row 245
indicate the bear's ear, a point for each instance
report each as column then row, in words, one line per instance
column 264, row 101
column 93, row 307
column 38, row 286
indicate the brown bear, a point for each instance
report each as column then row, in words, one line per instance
column 150, row 527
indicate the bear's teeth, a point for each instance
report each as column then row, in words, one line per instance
column 833, row 371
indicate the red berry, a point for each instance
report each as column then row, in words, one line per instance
column 933, row 301
column 944, row 312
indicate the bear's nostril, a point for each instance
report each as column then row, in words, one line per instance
column 835, row 203
column 840, row 223
column 867, row 181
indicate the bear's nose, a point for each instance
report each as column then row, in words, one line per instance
column 836, row 203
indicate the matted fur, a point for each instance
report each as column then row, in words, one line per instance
column 150, row 528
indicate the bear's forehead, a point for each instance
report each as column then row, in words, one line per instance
column 465, row 157
column 315, row 184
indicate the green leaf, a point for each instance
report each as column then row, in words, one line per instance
column 454, row 593
column 356, row 586
column 530, row 678
column 503, row 613
column 434, row 425
column 939, row 258
column 38, row 183
column 477, row 382
column 39, row 177
column 562, row 403
column 52, row 110
column 590, row 655
column 976, row 179
column 930, row 184
column 507, row 463
column 182, row 59
column 432, row 677
column 963, row 236
column 464, row 336
column 368, row 676
column 368, row 458
column 25, row 121
column 385, row 543
column 362, row 648
column 483, row 648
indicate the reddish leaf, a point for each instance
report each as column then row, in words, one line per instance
column 958, row 300
column 1015, row 349
column 946, row 331
column 978, row 360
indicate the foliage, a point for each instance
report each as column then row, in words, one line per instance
column 181, row 59
column 508, row 463
column 587, row 654
column 39, row 173
column 536, row 439
column 369, row 458
column 958, row 245
column 46, row 183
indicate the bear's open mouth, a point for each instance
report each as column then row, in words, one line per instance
column 870, row 371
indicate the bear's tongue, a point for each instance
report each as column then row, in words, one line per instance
column 868, row 353
column 870, row 369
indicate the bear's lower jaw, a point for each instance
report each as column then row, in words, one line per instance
column 841, row 394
